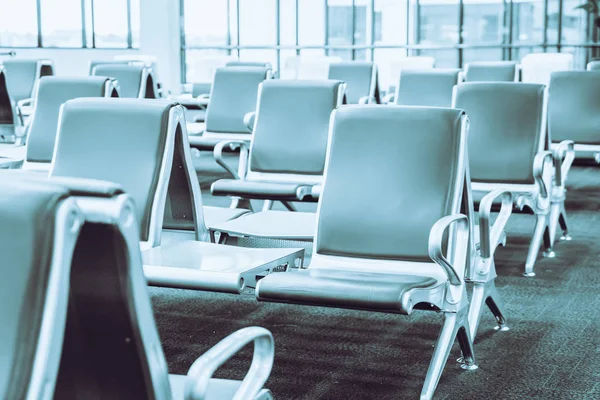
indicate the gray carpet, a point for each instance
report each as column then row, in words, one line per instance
column 551, row 352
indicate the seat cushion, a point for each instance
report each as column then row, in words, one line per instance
column 216, row 215
column 339, row 288
column 257, row 189
column 13, row 151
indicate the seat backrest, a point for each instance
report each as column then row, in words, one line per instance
column 492, row 71
column 52, row 93
column 593, row 65
column 201, row 88
column 240, row 63
column 508, row 128
column 7, row 114
column 291, row 126
column 574, row 106
column 427, row 87
column 140, row 145
column 131, row 79
column 36, row 238
column 360, row 78
column 396, row 66
column 95, row 63
column 537, row 67
column 391, row 173
column 21, row 76
column 233, row 95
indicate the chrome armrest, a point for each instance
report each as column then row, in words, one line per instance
column 202, row 370
column 249, row 120
column 490, row 237
column 436, row 240
column 367, row 100
column 218, row 155
column 19, row 109
column 25, row 103
column 539, row 163
column 564, row 154
column 388, row 98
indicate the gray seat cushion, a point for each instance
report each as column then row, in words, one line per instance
column 347, row 289
column 129, row 77
column 431, row 87
column 292, row 126
column 52, row 93
column 574, row 106
column 505, row 129
column 215, row 215
column 256, row 189
column 494, row 71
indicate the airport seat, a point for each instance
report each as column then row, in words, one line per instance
column 537, row 67
column 432, row 87
column 65, row 344
column 11, row 123
column 510, row 118
column 362, row 86
column 133, row 80
column 240, row 63
column 34, row 285
column 142, row 145
column 196, row 100
column 389, row 256
column 491, row 71
column 95, row 63
column 286, row 156
column 593, row 65
column 22, row 76
column 407, row 63
column 232, row 95
column 52, row 93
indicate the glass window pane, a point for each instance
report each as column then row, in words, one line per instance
column 580, row 56
column 205, row 23
column 443, row 58
column 340, row 30
column 61, row 23
column 200, row 65
column 439, row 22
column 483, row 21
column 260, row 55
column 384, row 58
column 18, row 23
column 390, row 21
column 311, row 22
column 110, row 23
column 470, row 55
column 287, row 22
column 258, row 22
column 528, row 21
column 135, row 23
column 552, row 32
column 573, row 23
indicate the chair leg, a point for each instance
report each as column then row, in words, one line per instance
column 485, row 292
column 562, row 220
column 267, row 205
column 553, row 221
column 493, row 304
column 237, row 202
column 289, row 206
column 548, row 241
column 536, row 242
column 453, row 324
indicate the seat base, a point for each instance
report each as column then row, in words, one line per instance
column 218, row 389
column 344, row 289
column 283, row 225
column 261, row 190
column 218, row 215
column 212, row 267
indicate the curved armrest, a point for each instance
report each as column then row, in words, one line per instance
column 204, row 96
column 202, row 370
column 564, row 154
column 388, row 98
column 163, row 92
column 539, row 163
column 436, row 240
column 249, row 120
column 489, row 238
column 25, row 103
column 218, row 155
column 367, row 100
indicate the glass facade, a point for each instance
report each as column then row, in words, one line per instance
column 454, row 32
column 70, row 23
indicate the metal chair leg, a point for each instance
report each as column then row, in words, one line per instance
column 536, row 242
column 553, row 221
column 548, row 242
column 493, row 304
column 563, row 222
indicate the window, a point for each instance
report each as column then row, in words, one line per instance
column 205, row 23
column 61, row 23
column 18, row 23
column 69, row 23
column 258, row 22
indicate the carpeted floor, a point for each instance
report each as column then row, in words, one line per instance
column 551, row 352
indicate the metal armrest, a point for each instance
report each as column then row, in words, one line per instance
column 388, row 98
column 249, row 120
column 163, row 92
column 539, row 163
column 202, row 370
column 25, row 103
column 564, row 154
column 218, row 154
column 203, row 96
column 489, row 238
column 436, row 240
column 367, row 100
